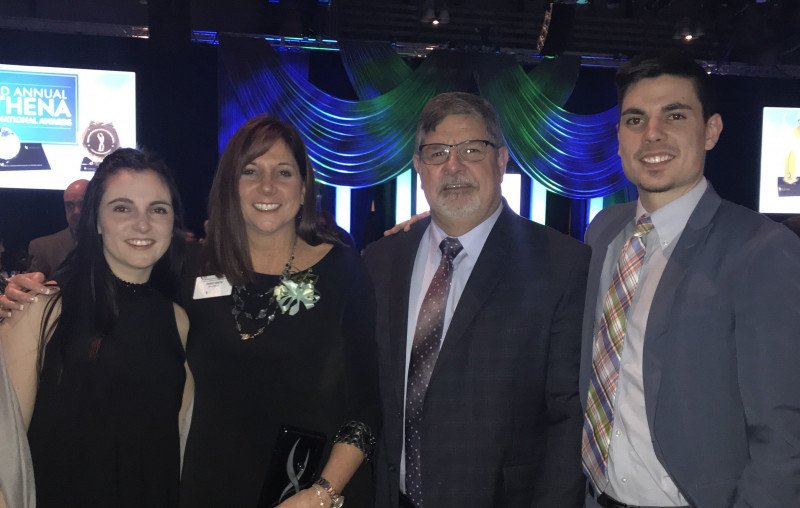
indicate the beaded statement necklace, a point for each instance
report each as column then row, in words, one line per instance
column 266, row 311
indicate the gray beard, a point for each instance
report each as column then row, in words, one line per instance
column 457, row 208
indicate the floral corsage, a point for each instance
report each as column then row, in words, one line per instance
column 259, row 309
column 296, row 289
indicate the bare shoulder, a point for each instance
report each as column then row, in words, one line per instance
column 23, row 329
column 20, row 339
column 182, row 321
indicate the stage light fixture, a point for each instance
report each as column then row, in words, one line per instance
column 556, row 29
column 688, row 30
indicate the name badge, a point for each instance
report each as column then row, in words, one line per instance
column 211, row 286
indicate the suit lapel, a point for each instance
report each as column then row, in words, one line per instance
column 482, row 281
column 690, row 243
column 400, row 285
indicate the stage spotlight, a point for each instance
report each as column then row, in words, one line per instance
column 688, row 30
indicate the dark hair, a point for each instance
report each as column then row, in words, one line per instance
column 88, row 296
column 227, row 251
column 458, row 103
column 673, row 63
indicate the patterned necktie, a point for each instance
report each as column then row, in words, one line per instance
column 608, row 342
column 425, row 350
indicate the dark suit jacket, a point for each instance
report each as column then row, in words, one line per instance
column 502, row 416
column 721, row 353
column 48, row 252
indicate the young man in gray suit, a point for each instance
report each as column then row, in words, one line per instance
column 689, row 375
column 478, row 324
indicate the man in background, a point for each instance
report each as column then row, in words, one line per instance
column 689, row 370
column 48, row 252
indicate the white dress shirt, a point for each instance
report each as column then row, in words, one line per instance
column 635, row 475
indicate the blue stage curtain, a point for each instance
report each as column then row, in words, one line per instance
column 572, row 155
column 369, row 141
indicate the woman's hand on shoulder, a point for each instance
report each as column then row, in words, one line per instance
column 21, row 340
column 24, row 288
column 29, row 314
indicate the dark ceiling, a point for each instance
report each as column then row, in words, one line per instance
column 735, row 36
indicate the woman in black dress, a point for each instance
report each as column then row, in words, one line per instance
column 99, row 368
column 282, row 340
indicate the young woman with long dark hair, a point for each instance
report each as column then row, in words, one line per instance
column 99, row 367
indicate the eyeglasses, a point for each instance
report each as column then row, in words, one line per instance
column 471, row 150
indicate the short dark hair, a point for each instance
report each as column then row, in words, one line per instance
column 673, row 63
column 89, row 306
column 227, row 251
column 459, row 103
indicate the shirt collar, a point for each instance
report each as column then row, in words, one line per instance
column 670, row 220
column 472, row 240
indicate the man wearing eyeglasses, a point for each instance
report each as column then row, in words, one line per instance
column 478, row 324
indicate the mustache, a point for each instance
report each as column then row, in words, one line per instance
column 457, row 181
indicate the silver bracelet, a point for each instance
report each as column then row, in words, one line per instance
column 319, row 490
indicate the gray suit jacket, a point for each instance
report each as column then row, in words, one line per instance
column 721, row 353
column 48, row 252
column 502, row 413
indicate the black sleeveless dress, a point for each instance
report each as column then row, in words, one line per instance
column 105, row 430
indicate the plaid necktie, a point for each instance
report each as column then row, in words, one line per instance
column 608, row 342
column 424, row 352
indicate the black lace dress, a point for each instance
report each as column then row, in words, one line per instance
column 105, row 430
column 315, row 370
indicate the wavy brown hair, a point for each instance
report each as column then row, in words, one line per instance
column 227, row 251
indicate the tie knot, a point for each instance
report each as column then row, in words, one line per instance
column 450, row 248
column 643, row 226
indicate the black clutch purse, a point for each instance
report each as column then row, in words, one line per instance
column 296, row 463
